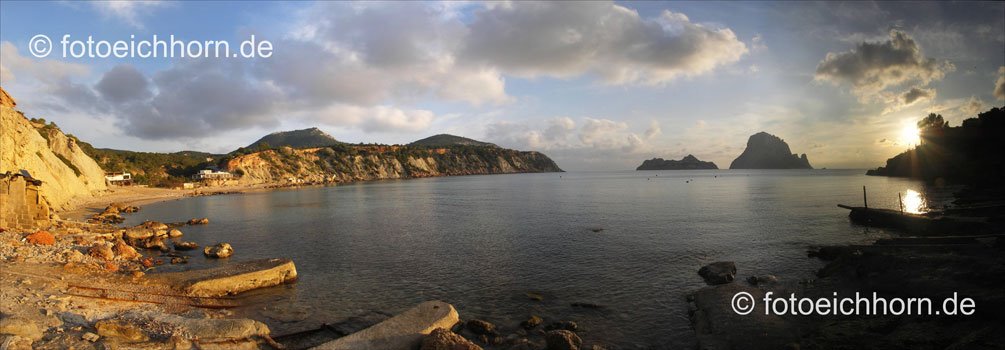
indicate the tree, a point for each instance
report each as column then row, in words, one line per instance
column 932, row 121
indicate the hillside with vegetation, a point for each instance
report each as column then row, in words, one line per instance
column 304, row 138
column 151, row 168
column 970, row 153
column 361, row 162
column 446, row 140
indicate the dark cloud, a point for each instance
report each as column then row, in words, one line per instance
column 874, row 66
column 916, row 94
column 201, row 98
column 122, row 84
column 999, row 92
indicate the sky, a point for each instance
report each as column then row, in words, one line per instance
column 595, row 85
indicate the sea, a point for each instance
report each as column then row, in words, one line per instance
column 628, row 243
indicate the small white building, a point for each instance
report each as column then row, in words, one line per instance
column 120, row 178
column 211, row 174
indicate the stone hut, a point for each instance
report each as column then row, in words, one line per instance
column 21, row 204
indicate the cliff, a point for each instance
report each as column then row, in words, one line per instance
column 766, row 151
column 48, row 154
column 348, row 163
column 969, row 153
column 687, row 163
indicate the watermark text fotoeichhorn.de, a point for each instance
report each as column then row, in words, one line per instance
column 744, row 303
column 154, row 47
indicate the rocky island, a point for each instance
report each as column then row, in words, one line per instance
column 689, row 162
column 767, row 151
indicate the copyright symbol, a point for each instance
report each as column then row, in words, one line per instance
column 743, row 303
column 40, row 46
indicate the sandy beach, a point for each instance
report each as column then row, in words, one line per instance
column 82, row 208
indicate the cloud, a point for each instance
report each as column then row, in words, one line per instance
column 559, row 39
column 201, row 98
column 122, row 84
column 971, row 107
column 377, row 118
column 999, row 92
column 127, row 11
column 916, row 94
column 872, row 67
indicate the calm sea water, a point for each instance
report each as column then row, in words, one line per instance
column 482, row 242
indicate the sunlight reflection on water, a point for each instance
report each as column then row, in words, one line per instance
column 914, row 202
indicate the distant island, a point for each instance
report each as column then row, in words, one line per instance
column 970, row 153
column 767, row 151
column 689, row 162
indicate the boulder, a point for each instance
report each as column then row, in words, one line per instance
column 154, row 225
column 41, row 238
column 481, row 327
column 151, row 243
column 137, row 233
column 122, row 330
column 222, row 250
column 101, row 250
column 185, row 245
column 123, row 250
column 174, row 233
column 202, row 221
column 442, row 339
column 531, row 322
column 719, row 272
column 563, row 340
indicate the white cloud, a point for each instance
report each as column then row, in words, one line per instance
column 127, row 11
column 559, row 39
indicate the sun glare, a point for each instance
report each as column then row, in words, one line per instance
column 910, row 136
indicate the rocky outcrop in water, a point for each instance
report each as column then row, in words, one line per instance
column 767, row 151
column 48, row 154
column 349, row 163
column 687, row 163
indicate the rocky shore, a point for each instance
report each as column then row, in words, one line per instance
column 934, row 267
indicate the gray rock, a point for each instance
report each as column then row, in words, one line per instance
column 719, row 272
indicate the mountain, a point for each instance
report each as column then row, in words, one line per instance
column 968, row 154
column 767, row 151
column 305, row 138
column 687, row 163
column 443, row 140
column 348, row 163
column 47, row 154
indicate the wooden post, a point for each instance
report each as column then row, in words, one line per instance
column 901, row 201
column 865, row 199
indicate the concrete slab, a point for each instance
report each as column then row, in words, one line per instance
column 234, row 278
column 404, row 331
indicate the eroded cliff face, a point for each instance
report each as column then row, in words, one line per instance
column 65, row 170
column 363, row 163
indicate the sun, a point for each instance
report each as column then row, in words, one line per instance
column 910, row 135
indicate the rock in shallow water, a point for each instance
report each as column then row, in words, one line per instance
column 719, row 272
column 563, row 340
column 222, row 250
column 480, row 327
column 442, row 339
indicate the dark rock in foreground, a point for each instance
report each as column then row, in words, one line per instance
column 766, row 151
column 689, row 162
column 719, row 272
